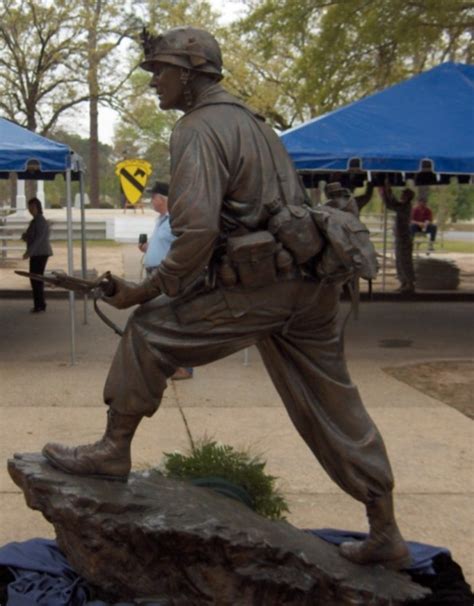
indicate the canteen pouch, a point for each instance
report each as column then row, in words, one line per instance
column 294, row 227
column 253, row 256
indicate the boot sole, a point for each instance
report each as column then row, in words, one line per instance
column 398, row 563
column 96, row 476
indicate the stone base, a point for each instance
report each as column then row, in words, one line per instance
column 187, row 546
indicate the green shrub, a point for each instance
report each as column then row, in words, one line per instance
column 210, row 459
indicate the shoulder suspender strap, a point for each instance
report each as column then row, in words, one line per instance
column 279, row 176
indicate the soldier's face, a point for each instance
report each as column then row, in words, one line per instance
column 167, row 83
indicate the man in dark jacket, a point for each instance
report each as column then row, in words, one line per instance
column 225, row 164
column 38, row 251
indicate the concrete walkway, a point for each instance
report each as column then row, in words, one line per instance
column 430, row 444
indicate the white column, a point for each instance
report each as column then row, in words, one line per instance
column 20, row 199
column 40, row 191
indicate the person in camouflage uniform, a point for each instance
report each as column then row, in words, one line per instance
column 403, row 237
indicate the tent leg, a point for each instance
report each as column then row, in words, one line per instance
column 83, row 240
column 384, row 251
column 70, row 266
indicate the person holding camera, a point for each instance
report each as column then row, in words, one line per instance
column 156, row 248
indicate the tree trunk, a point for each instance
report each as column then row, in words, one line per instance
column 93, row 107
column 31, row 186
column 94, row 192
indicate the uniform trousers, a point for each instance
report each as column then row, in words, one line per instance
column 404, row 256
column 298, row 330
column 37, row 266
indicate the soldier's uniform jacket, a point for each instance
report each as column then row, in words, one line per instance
column 222, row 173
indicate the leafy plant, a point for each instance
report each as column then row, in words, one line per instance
column 210, row 459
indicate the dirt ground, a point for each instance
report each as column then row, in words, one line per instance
column 451, row 382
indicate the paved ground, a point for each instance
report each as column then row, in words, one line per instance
column 430, row 444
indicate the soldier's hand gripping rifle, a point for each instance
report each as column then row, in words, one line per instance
column 104, row 285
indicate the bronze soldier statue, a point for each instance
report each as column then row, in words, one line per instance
column 226, row 284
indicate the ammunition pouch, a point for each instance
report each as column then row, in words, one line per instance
column 294, row 227
column 253, row 256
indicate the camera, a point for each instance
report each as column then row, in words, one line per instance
column 142, row 239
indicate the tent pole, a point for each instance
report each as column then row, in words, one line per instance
column 83, row 239
column 384, row 251
column 70, row 266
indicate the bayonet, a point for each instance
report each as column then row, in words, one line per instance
column 103, row 285
column 60, row 279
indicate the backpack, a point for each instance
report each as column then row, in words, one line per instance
column 349, row 252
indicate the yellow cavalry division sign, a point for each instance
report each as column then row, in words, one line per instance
column 133, row 175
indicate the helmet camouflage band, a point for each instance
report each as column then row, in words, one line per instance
column 188, row 47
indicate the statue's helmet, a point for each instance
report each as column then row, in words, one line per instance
column 188, row 47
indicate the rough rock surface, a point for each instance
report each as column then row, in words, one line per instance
column 187, row 546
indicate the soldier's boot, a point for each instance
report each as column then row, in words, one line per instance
column 109, row 458
column 384, row 544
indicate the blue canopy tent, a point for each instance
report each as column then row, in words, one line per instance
column 422, row 128
column 23, row 151
column 31, row 156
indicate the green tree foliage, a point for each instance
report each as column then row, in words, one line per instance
column 55, row 191
column 451, row 203
column 326, row 53
column 143, row 130
column 105, row 25
column 40, row 69
column 56, row 56
column 464, row 209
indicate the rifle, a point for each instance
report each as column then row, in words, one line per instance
column 103, row 285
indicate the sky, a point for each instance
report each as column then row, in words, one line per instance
column 229, row 9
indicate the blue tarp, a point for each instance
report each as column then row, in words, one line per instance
column 429, row 117
column 42, row 575
column 19, row 147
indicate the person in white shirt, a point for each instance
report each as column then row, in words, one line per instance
column 157, row 246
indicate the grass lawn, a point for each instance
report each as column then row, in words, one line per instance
column 455, row 246
column 448, row 246
column 89, row 243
